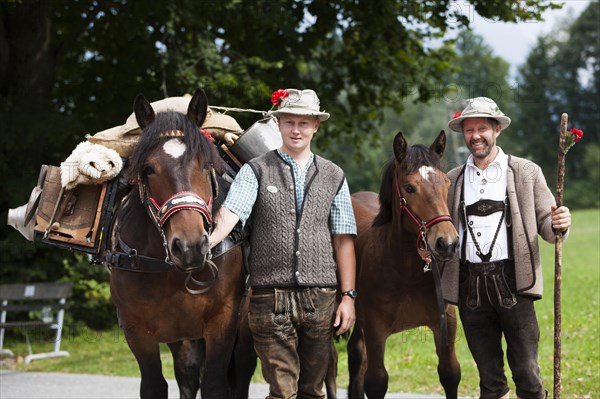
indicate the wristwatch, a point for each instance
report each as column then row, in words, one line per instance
column 351, row 293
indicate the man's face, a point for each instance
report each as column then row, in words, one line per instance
column 480, row 136
column 297, row 131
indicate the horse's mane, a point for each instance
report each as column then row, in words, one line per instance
column 197, row 144
column 416, row 156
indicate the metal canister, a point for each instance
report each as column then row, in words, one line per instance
column 258, row 139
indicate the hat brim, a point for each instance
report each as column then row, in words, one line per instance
column 455, row 124
column 323, row 116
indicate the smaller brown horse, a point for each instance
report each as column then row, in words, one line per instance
column 163, row 283
column 396, row 292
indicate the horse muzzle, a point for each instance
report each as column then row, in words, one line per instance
column 189, row 254
column 442, row 240
column 444, row 249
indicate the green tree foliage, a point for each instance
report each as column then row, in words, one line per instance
column 562, row 74
column 71, row 67
column 477, row 71
column 480, row 72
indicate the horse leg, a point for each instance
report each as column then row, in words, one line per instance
column 219, row 352
column 187, row 364
column 330, row 377
column 376, row 376
column 244, row 361
column 448, row 366
column 357, row 363
column 147, row 353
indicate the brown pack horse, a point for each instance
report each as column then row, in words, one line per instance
column 163, row 282
column 396, row 293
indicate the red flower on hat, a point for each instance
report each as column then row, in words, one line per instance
column 456, row 115
column 572, row 136
column 278, row 95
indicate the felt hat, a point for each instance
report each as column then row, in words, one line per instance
column 297, row 102
column 479, row 107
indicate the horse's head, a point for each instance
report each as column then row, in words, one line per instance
column 417, row 191
column 174, row 166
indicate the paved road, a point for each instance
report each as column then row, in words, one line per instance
column 35, row 385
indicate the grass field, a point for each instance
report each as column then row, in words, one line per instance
column 410, row 356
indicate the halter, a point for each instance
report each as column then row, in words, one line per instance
column 423, row 226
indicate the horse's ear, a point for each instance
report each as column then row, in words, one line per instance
column 439, row 145
column 400, row 147
column 144, row 114
column 198, row 107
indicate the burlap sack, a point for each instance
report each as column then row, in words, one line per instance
column 124, row 138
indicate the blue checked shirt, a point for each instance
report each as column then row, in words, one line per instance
column 244, row 191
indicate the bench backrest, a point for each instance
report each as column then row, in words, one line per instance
column 35, row 291
column 27, row 297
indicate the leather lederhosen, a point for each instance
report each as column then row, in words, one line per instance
column 488, row 276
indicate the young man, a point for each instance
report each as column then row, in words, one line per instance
column 302, row 235
column 499, row 203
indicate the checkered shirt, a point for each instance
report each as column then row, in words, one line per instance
column 244, row 191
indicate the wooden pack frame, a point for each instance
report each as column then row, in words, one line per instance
column 73, row 219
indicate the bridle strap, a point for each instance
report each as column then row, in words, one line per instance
column 423, row 226
column 178, row 202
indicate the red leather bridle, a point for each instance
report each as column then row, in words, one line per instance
column 423, row 226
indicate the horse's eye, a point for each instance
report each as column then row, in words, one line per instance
column 409, row 188
column 147, row 170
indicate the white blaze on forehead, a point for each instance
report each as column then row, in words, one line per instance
column 425, row 171
column 174, row 148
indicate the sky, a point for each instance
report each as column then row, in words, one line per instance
column 511, row 41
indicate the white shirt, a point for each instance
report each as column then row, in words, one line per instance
column 489, row 183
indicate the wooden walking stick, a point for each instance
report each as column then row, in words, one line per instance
column 558, row 256
column 567, row 140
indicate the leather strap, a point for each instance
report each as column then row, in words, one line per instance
column 440, row 300
column 128, row 258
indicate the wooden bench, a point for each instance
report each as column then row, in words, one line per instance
column 46, row 300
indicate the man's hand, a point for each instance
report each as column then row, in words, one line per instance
column 225, row 221
column 344, row 316
column 561, row 218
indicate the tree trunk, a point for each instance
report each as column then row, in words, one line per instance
column 26, row 59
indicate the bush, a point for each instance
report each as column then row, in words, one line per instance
column 91, row 303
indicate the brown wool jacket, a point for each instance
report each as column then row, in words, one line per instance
column 530, row 200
